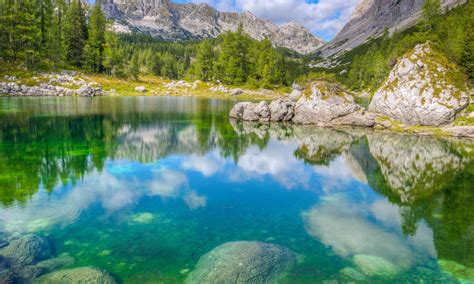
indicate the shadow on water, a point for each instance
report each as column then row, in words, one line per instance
column 145, row 187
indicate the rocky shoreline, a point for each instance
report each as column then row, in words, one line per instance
column 420, row 96
column 64, row 84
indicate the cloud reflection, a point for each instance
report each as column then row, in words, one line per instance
column 349, row 229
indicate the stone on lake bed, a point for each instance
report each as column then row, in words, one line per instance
column 375, row 266
column 143, row 218
column 26, row 250
column 353, row 274
column 87, row 275
column 243, row 262
column 56, row 263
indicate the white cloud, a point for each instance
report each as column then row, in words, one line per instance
column 324, row 18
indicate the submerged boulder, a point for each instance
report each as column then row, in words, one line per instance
column 26, row 250
column 243, row 262
column 422, row 89
column 88, row 275
column 323, row 102
column 375, row 266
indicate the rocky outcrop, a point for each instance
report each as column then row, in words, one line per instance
column 323, row 103
column 56, row 85
column 251, row 111
column 173, row 22
column 77, row 275
column 243, row 262
column 372, row 17
column 422, row 90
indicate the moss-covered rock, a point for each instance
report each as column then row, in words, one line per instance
column 243, row 262
column 88, row 275
column 423, row 88
column 322, row 102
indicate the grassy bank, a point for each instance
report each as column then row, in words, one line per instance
column 154, row 85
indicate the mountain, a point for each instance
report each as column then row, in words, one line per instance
column 372, row 17
column 178, row 22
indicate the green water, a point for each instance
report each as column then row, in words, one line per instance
column 143, row 187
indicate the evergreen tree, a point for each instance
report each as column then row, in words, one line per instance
column 134, row 66
column 203, row 65
column 113, row 56
column 75, row 33
column 94, row 50
column 55, row 48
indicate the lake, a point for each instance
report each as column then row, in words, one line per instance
column 169, row 190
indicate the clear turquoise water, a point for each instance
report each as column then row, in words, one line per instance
column 143, row 187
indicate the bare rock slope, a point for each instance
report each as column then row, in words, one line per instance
column 372, row 17
column 170, row 21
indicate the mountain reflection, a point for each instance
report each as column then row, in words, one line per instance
column 58, row 158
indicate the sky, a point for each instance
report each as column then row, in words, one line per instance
column 323, row 17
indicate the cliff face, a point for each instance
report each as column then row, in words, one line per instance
column 177, row 22
column 372, row 17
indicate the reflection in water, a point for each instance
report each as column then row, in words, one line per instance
column 367, row 204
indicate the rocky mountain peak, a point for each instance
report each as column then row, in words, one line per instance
column 361, row 9
column 178, row 22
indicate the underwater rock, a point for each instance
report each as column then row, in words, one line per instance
column 28, row 273
column 143, row 218
column 353, row 274
column 375, row 265
column 26, row 250
column 56, row 263
column 87, row 275
column 243, row 262
column 7, row 276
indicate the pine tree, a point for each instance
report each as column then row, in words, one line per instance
column 75, row 33
column 94, row 49
column 203, row 65
column 27, row 46
column 55, row 48
column 134, row 66
column 113, row 56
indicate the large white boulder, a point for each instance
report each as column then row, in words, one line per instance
column 422, row 89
